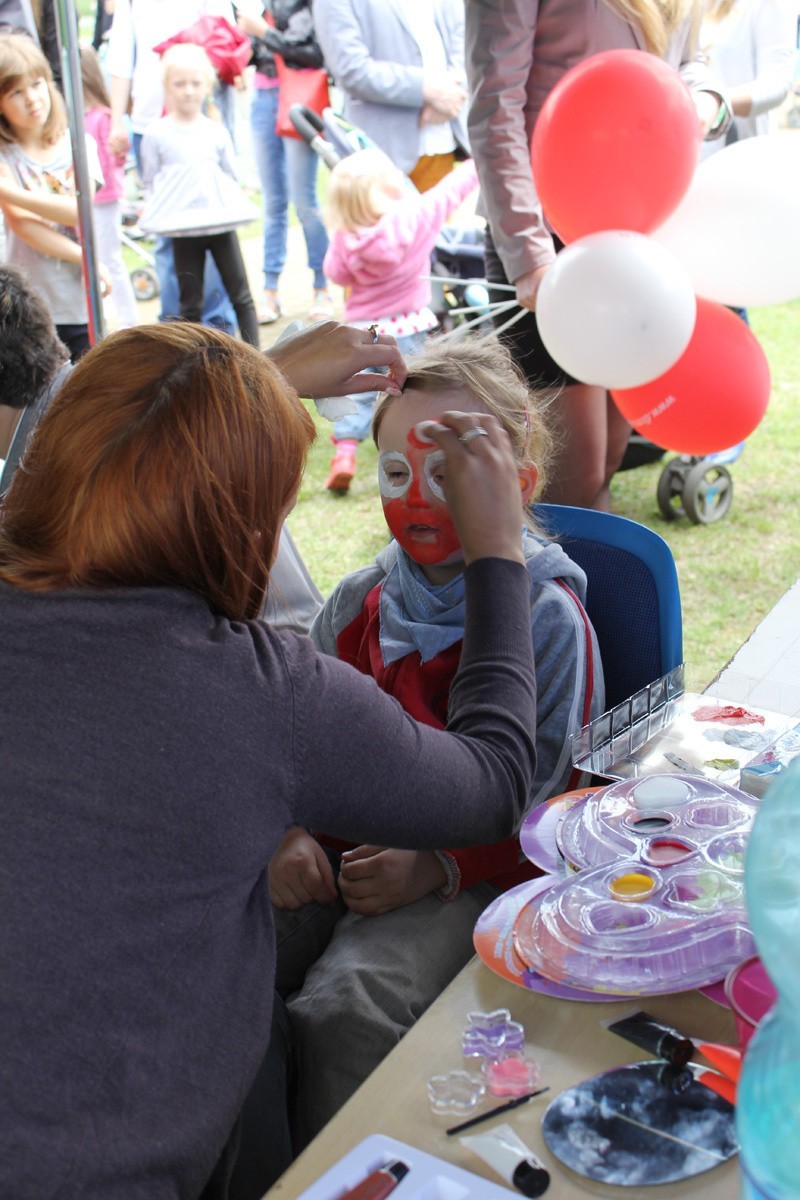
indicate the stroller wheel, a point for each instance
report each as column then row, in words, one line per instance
column 669, row 491
column 145, row 283
column 707, row 492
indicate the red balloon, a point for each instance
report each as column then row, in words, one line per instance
column 615, row 145
column 713, row 397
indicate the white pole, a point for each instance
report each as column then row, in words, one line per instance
column 67, row 30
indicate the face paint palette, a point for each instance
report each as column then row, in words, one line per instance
column 657, row 904
column 659, row 819
column 538, row 834
column 645, row 892
column 494, row 943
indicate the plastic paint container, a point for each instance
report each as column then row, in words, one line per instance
column 751, row 994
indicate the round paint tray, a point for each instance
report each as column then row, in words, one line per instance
column 634, row 929
column 661, row 818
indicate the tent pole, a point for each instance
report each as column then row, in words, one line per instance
column 67, row 30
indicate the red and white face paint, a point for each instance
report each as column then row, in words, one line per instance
column 412, row 490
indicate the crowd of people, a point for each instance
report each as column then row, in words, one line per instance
column 238, row 861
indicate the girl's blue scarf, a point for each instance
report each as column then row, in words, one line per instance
column 418, row 615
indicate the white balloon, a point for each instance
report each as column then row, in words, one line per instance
column 616, row 309
column 737, row 229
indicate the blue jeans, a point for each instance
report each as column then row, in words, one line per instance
column 217, row 308
column 287, row 169
column 356, row 426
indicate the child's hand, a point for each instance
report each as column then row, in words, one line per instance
column 375, row 881
column 299, row 872
column 481, row 483
column 106, row 287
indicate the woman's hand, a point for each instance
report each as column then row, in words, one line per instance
column 707, row 106
column 328, row 358
column 119, row 143
column 299, row 872
column 253, row 26
column 445, row 95
column 481, row 484
column 375, row 881
column 528, row 286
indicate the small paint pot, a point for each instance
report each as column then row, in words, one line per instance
column 666, row 851
column 661, row 791
column 751, row 994
column 632, row 886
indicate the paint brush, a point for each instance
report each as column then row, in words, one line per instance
column 495, row 1112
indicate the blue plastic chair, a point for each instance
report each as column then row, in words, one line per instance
column 633, row 599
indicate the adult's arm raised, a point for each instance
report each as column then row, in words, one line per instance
column 329, row 359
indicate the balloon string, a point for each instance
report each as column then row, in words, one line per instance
column 496, row 306
column 496, row 287
column 459, row 330
column 517, row 317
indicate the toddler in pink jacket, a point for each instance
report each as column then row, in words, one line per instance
column 382, row 234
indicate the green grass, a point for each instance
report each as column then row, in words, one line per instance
column 731, row 573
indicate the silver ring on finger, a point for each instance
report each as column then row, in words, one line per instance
column 470, row 434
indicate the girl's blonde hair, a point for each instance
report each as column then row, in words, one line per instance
column 360, row 189
column 659, row 19
column 95, row 92
column 189, row 56
column 718, row 10
column 482, row 368
column 21, row 60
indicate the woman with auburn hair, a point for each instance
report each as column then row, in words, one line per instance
column 158, row 742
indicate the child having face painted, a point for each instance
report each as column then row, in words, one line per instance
column 399, row 925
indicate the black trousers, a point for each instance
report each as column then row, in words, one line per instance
column 190, row 254
column 523, row 338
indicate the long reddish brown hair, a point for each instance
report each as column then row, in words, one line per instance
column 169, row 457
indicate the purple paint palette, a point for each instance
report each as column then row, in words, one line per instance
column 661, row 819
column 655, row 902
column 494, row 942
column 631, row 928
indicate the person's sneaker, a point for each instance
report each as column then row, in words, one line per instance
column 343, row 467
column 270, row 310
column 322, row 308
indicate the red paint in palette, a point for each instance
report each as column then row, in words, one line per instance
column 664, row 852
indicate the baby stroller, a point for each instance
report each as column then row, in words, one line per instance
column 144, row 279
column 459, row 294
column 689, row 485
